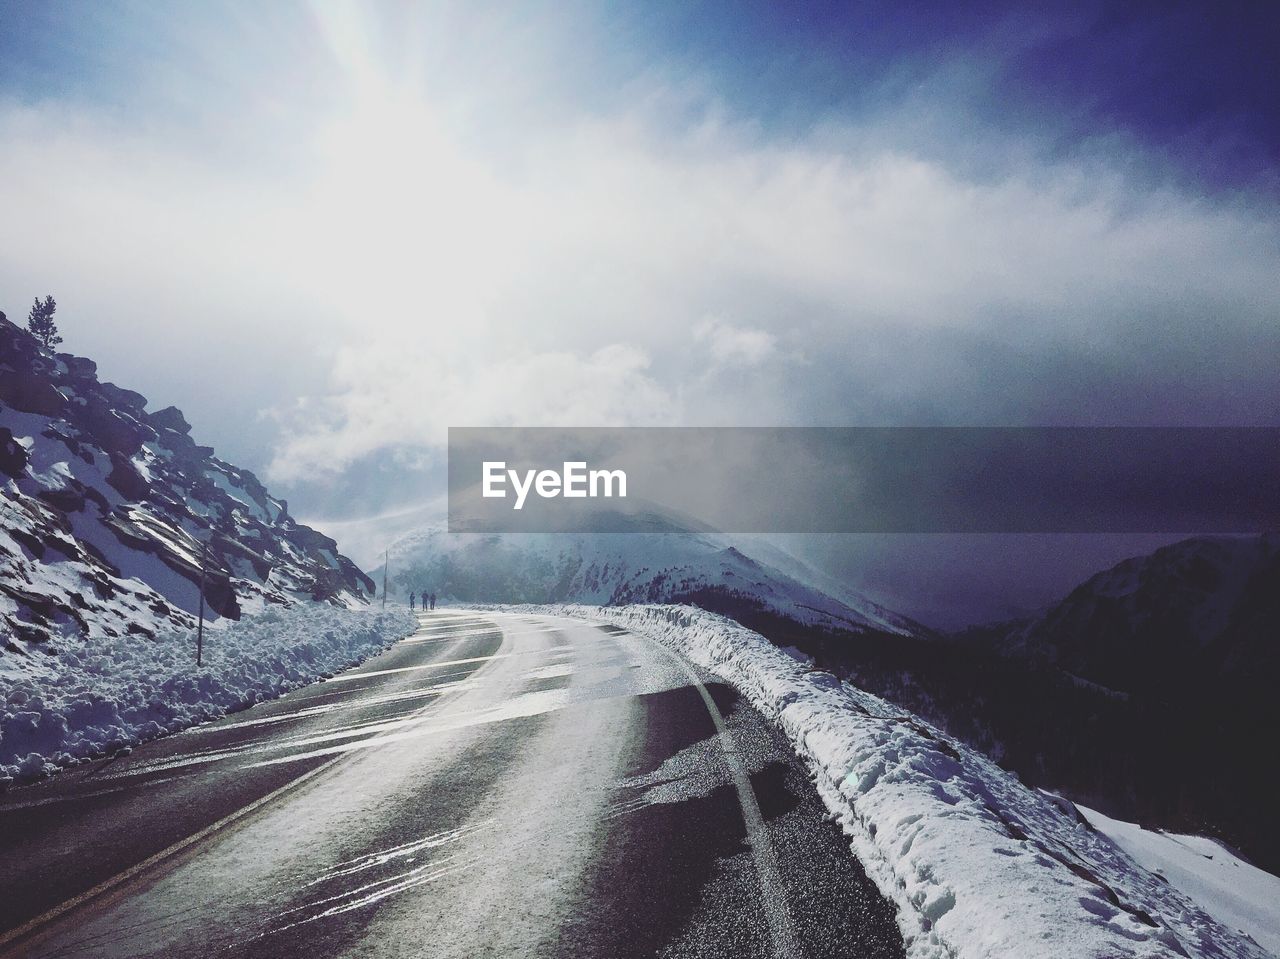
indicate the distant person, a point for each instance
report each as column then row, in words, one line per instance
column 411, row 598
column 433, row 600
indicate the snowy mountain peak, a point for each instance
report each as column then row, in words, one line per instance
column 671, row 565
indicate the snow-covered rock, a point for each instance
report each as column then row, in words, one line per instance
column 978, row 864
column 106, row 510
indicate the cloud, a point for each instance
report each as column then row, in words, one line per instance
column 382, row 398
column 408, row 254
column 731, row 345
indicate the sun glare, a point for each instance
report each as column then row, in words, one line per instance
column 396, row 202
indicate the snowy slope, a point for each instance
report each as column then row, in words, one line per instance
column 661, row 562
column 105, row 509
column 1239, row 895
column 979, row 865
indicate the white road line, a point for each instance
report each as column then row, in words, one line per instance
column 420, row 637
column 34, row 924
column 781, row 931
column 121, row 877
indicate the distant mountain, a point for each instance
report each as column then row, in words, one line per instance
column 1149, row 691
column 106, row 509
column 662, row 561
column 1205, row 611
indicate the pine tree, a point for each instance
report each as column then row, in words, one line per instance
column 40, row 322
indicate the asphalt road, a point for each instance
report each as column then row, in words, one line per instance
column 496, row 785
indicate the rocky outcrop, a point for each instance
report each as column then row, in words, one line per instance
column 111, row 516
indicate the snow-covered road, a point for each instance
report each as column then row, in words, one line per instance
column 497, row 784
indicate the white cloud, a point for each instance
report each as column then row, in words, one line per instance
column 731, row 345
column 382, row 396
column 408, row 261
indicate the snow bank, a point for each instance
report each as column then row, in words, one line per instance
column 978, row 864
column 104, row 694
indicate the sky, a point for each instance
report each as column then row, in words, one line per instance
column 328, row 231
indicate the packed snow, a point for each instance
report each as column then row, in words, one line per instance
column 978, row 864
column 108, row 693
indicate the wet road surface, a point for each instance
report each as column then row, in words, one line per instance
column 495, row 785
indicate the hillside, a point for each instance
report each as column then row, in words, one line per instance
column 1205, row 610
column 106, row 510
column 1144, row 692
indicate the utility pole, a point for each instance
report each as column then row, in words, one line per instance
column 386, row 559
column 204, row 560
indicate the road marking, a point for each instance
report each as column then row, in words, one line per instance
column 107, row 885
column 422, row 637
column 33, row 925
column 781, row 931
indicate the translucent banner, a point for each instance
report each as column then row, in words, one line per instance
column 865, row 480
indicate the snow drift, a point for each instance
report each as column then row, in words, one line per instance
column 1233, row 891
column 118, row 691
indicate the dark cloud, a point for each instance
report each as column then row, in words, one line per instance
column 1189, row 86
column 1194, row 81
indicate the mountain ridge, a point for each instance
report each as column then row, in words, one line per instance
column 660, row 563
column 1146, row 692
column 1204, row 609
